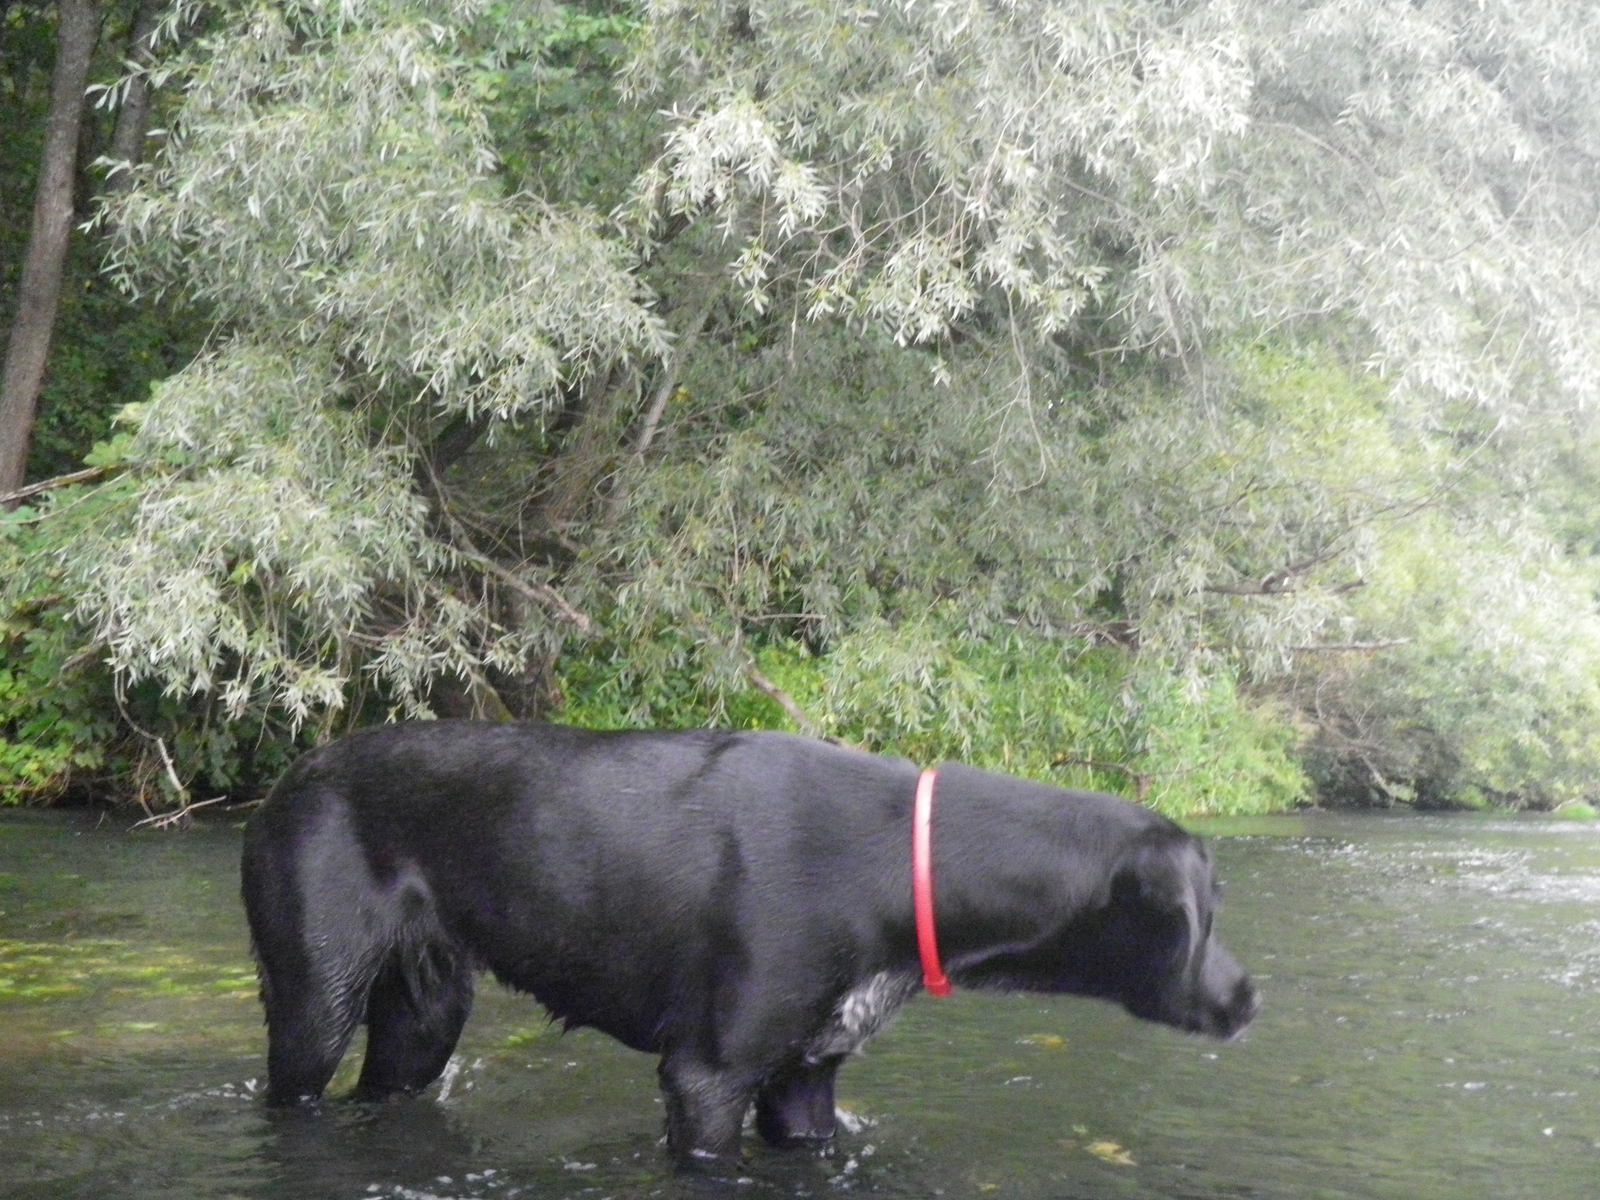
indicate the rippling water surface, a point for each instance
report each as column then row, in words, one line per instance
column 1432, row 1030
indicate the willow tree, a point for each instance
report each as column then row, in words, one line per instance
column 900, row 332
column 1156, row 175
column 330, row 189
column 1348, row 252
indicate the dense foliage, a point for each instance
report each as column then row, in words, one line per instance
column 1191, row 399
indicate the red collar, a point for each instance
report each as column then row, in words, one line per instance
column 933, row 976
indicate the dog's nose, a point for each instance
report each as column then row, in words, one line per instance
column 1243, row 1007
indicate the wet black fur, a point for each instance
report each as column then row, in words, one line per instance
column 738, row 904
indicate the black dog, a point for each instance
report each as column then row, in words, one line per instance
column 739, row 904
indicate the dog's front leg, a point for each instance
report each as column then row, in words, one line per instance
column 705, row 1109
column 795, row 1104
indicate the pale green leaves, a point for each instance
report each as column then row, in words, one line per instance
column 343, row 190
column 1159, row 175
column 1490, row 681
column 1154, row 242
column 332, row 192
column 269, row 547
column 896, row 161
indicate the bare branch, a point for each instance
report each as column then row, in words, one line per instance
column 798, row 715
column 48, row 485
column 1353, row 647
column 179, row 817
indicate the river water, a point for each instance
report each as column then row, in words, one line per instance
column 1431, row 1032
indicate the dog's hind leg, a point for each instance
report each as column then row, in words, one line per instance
column 337, row 942
column 311, row 1017
column 415, row 1012
column 313, row 984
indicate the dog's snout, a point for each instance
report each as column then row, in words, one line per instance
column 1226, row 996
column 1242, row 1009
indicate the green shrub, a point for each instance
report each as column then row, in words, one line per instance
column 1062, row 713
column 67, row 730
column 57, row 707
column 1578, row 811
column 1066, row 713
column 54, row 729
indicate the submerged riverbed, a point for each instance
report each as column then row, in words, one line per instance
column 1431, row 1032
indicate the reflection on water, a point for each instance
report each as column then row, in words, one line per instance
column 1431, row 1031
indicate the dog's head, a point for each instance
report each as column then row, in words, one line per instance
column 1153, row 946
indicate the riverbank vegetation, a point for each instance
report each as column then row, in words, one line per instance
column 1195, row 400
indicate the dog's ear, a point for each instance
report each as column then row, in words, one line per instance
column 1165, row 878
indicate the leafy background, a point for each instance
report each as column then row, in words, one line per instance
column 1193, row 400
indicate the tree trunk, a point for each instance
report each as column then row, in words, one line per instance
column 133, row 118
column 40, row 290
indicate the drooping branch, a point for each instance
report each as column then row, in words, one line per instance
column 1141, row 780
column 669, row 378
column 540, row 593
